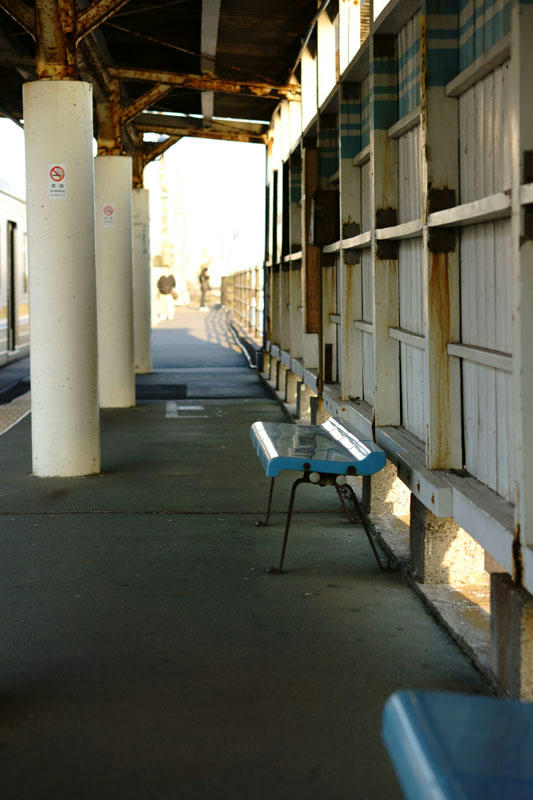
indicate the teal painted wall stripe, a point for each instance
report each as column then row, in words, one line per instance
column 480, row 28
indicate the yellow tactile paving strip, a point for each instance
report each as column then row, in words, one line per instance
column 12, row 412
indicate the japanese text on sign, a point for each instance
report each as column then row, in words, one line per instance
column 57, row 181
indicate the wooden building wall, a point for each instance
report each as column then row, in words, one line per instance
column 399, row 283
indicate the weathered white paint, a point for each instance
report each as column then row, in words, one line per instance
column 208, row 48
column 309, row 88
column 439, row 134
column 350, row 302
column 481, row 355
column 275, row 327
column 492, row 207
column 114, row 281
column 522, row 253
column 349, row 31
column 142, row 327
column 411, row 295
column 326, row 56
column 367, row 339
column 285, row 132
column 486, row 63
column 486, row 302
column 405, row 124
column 366, row 207
column 409, row 178
column 485, row 130
column 329, row 306
column 65, row 418
column 295, row 121
column 310, row 350
column 285, row 308
column 296, row 320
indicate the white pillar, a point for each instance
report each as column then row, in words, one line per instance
column 60, row 210
column 114, row 280
column 141, row 282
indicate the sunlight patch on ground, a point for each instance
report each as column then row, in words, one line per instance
column 13, row 412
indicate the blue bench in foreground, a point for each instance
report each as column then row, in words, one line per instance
column 325, row 455
column 448, row 746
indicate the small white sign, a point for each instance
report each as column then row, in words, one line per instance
column 109, row 215
column 176, row 411
column 57, row 181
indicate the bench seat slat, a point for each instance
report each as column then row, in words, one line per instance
column 328, row 448
column 448, row 746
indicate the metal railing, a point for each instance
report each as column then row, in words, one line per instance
column 242, row 295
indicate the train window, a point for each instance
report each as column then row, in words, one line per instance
column 25, row 263
column 11, row 284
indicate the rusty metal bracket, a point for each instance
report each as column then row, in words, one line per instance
column 441, row 240
column 528, row 222
column 440, row 199
column 351, row 90
column 386, row 217
column 327, row 121
column 387, row 249
column 350, row 229
column 528, row 166
column 384, row 45
column 352, row 256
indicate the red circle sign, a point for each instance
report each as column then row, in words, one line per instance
column 57, row 173
column 108, row 211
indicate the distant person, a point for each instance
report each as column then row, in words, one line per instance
column 203, row 279
column 166, row 286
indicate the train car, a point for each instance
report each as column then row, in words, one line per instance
column 14, row 307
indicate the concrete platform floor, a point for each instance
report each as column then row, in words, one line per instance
column 145, row 653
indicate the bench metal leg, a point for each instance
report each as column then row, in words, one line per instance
column 278, row 570
column 262, row 523
column 361, row 517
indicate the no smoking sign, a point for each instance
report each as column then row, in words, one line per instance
column 109, row 214
column 57, row 181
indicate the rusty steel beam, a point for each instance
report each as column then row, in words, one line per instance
column 152, row 152
column 92, row 69
column 109, row 127
column 15, row 60
column 96, row 13
column 175, row 122
column 206, row 133
column 54, row 33
column 144, row 102
column 21, row 13
column 207, row 83
column 208, row 48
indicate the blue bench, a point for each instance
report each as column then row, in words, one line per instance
column 448, row 746
column 325, row 455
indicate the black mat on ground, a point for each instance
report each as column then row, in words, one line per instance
column 160, row 391
column 9, row 393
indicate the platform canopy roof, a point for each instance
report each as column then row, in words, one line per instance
column 213, row 68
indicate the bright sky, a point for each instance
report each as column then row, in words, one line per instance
column 216, row 204
column 216, row 195
column 12, row 177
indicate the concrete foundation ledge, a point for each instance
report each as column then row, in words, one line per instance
column 251, row 349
